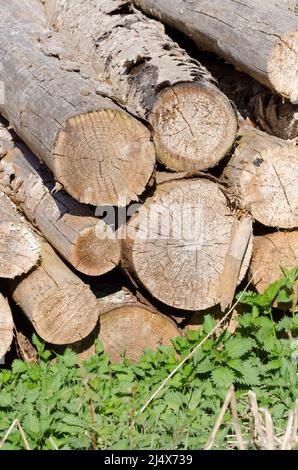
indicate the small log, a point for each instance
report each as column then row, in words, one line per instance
column 6, row 327
column 270, row 253
column 193, row 123
column 176, row 245
column 272, row 113
column 256, row 36
column 86, row 242
column 96, row 150
column 263, row 173
column 60, row 306
column 19, row 247
column 130, row 328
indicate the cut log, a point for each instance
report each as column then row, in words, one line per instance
column 97, row 151
column 19, row 247
column 270, row 253
column 263, row 173
column 129, row 329
column 61, row 307
column 272, row 113
column 6, row 327
column 176, row 245
column 193, row 123
column 256, row 36
column 71, row 228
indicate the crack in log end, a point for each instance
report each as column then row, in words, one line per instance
column 194, row 126
column 136, row 66
column 283, row 67
column 109, row 152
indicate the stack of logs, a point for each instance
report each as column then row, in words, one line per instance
column 106, row 110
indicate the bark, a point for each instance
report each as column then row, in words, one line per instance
column 6, row 327
column 130, row 328
column 291, row 5
column 270, row 253
column 256, row 36
column 274, row 114
column 176, row 245
column 263, row 174
column 86, row 242
column 193, row 123
column 97, row 151
column 60, row 306
column 19, row 247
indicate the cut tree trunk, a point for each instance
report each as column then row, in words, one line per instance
column 71, row 228
column 263, row 173
column 272, row 113
column 193, row 123
column 130, row 328
column 6, row 327
column 256, row 36
column 62, row 309
column 270, row 253
column 19, row 247
column 97, row 151
column 176, row 246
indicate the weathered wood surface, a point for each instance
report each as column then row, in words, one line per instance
column 193, row 123
column 86, row 242
column 97, row 151
column 263, row 173
column 256, row 36
column 19, row 247
column 60, row 306
column 270, row 253
column 6, row 327
column 130, row 328
column 274, row 114
column 177, row 244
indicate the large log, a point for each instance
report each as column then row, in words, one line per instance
column 263, row 173
column 271, row 112
column 19, row 247
column 127, row 326
column 176, row 246
column 270, row 253
column 71, row 228
column 60, row 306
column 193, row 123
column 256, row 36
column 6, row 327
column 97, row 151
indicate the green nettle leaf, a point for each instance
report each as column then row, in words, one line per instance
column 18, row 367
column 209, row 323
column 238, row 347
column 5, row 399
column 250, row 374
column 31, row 424
column 204, row 366
column 223, row 377
column 70, row 358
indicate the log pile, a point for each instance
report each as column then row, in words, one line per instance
column 108, row 115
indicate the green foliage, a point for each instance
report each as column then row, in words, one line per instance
column 68, row 406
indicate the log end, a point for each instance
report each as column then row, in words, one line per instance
column 66, row 314
column 6, row 327
column 194, row 126
column 104, row 157
column 283, row 67
column 96, row 250
column 19, row 250
column 177, row 243
column 132, row 328
column 270, row 253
